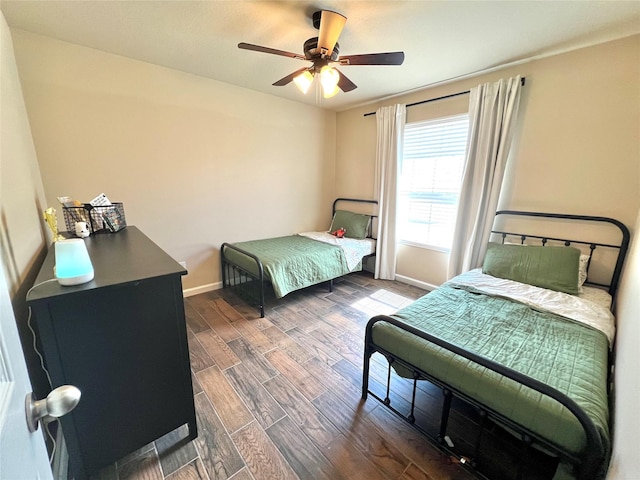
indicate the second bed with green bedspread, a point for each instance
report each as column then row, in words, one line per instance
column 525, row 341
column 559, row 352
column 292, row 262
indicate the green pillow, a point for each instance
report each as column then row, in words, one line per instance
column 555, row 268
column 356, row 224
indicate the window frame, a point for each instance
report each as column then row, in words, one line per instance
column 425, row 245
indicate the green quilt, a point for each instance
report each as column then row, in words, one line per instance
column 564, row 354
column 292, row 262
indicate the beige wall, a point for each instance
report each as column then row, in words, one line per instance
column 626, row 421
column 577, row 149
column 24, row 237
column 21, row 190
column 196, row 162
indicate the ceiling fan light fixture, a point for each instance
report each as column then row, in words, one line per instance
column 304, row 81
column 323, row 51
column 329, row 77
column 332, row 93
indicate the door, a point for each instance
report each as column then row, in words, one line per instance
column 22, row 454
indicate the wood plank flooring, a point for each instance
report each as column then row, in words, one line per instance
column 279, row 397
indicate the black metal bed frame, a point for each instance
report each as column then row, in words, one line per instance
column 594, row 453
column 250, row 285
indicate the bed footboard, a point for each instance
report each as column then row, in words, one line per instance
column 248, row 284
column 585, row 464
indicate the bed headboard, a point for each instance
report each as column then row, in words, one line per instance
column 371, row 209
column 605, row 240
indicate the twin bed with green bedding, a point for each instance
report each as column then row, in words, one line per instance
column 533, row 359
column 294, row 262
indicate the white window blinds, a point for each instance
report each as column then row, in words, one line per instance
column 430, row 178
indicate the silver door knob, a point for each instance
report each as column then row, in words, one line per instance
column 58, row 403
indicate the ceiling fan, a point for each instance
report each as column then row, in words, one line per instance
column 323, row 51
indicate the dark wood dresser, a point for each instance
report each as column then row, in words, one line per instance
column 121, row 339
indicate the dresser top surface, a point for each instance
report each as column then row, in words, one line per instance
column 117, row 258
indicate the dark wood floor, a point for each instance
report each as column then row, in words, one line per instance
column 279, row 397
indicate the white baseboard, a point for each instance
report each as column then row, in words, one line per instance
column 415, row 283
column 188, row 292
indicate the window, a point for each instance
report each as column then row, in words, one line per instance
column 429, row 180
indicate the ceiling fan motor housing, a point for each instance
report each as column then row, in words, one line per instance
column 316, row 18
column 312, row 52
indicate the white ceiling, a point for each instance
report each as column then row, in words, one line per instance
column 441, row 39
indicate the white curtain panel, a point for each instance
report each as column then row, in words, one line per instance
column 493, row 111
column 390, row 123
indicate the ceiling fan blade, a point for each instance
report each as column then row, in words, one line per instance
column 286, row 80
column 331, row 25
column 389, row 58
column 259, row 48
column 345, row 84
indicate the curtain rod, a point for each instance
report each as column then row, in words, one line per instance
column 522, row 81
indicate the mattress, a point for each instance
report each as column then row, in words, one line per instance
column 592, row 307
column 565, row 353
column 354, row 249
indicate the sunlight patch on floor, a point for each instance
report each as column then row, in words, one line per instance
column 381, row 302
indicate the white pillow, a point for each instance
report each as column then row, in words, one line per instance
column 582, row 270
